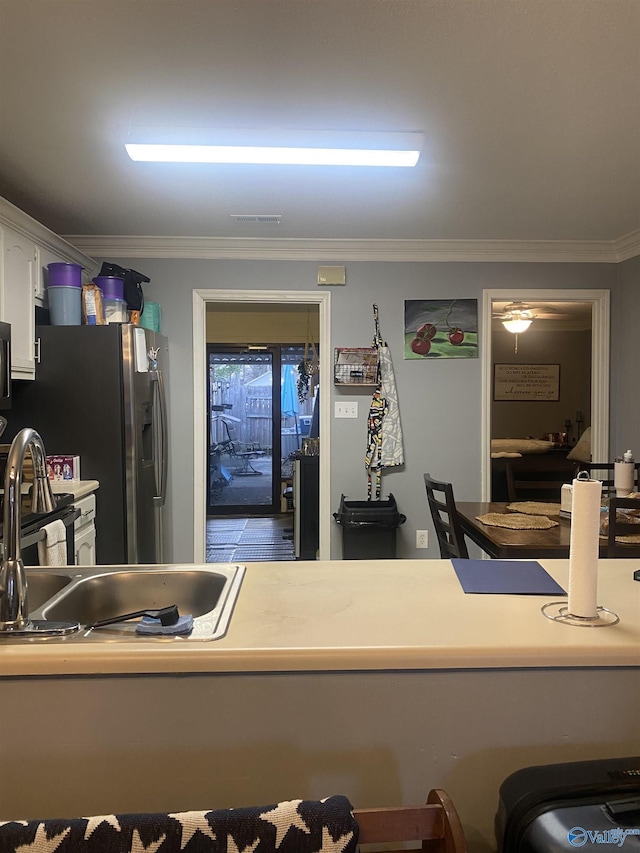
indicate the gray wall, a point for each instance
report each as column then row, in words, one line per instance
column 440, row 401
column 199, row 741
column 572, row 351
column 625, row 359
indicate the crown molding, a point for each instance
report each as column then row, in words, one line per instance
column 504, row 251
column 628, row 247
column 12, row 217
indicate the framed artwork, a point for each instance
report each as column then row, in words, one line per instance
column 534, row 383
column 440, row 328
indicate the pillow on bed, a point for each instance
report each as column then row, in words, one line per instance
column 520, row 445
column 582, row 451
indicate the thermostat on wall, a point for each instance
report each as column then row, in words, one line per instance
column 331, row 275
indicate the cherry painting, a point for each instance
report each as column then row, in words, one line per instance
column 441, row 328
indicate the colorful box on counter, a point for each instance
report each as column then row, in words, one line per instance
column 60, row 468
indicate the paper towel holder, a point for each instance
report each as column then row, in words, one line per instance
column 603, row 618
column 558, row 611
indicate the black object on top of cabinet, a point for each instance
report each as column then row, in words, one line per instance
column 89, row 399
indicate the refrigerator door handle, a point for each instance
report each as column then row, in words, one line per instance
column 161, row 454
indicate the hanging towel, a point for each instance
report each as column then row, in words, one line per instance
column 373, row 455
column 52, row 550
column 384, row 441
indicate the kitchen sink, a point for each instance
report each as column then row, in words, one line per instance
column 91, row 595
column 44, row 585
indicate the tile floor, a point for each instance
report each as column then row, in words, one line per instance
column 231, row 540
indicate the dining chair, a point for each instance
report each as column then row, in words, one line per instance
column 621, row 526
column 604, row 471
column 445, row 518
column 535, row 478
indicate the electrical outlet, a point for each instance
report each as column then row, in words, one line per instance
column 346, row 410
column 422, row 538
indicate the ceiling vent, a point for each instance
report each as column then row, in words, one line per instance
column 267, row 218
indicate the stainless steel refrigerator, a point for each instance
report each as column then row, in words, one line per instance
column 99, row 394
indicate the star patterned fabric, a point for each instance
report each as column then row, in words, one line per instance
column 294, row 826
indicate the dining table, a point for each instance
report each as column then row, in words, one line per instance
column 505, row 543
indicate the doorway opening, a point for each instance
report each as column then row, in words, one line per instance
column 290, row 429
column 598, row 416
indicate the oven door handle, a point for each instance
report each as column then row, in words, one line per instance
column 68, row 518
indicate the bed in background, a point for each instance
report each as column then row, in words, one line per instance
column 539, row 453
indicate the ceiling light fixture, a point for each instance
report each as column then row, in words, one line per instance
column 301, row 148
column 517, row 317
column 516, row 326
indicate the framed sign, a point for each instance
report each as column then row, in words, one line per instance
column 537, row 383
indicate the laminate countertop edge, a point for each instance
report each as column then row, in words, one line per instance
column 378, row 615
column 77, row 488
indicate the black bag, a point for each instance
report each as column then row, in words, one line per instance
column 132, row 284
column 558, row 807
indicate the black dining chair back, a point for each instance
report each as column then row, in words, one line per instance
column 604, row 471
column 532, row 478
column 445, row 518
column 623, row 534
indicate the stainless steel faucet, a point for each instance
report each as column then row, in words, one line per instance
column 14, row 600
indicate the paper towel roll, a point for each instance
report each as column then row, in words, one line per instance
column 623, row 478
column 583, row 548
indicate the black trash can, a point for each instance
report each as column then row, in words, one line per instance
column 369, row 528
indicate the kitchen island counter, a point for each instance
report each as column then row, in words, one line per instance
column 364, row 615
column 378, row 680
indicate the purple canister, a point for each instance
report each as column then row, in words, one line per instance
column 111, row 286
column 64, row 275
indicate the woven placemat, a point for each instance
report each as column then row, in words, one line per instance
column 631, row 539
column 516, row 521
column 535, row 508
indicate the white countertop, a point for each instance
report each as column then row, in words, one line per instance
column 77, row 488
column 366, row 615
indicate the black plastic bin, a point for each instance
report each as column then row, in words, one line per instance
column 369, row 528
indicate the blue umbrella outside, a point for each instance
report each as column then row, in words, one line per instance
column 289, row 408
column 289, row 393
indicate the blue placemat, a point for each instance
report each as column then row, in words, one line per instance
column 512, row 577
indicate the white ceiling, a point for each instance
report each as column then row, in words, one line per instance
column 530, row 111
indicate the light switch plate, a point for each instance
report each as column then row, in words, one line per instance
column 346, row 410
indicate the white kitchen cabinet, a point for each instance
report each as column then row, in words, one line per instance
column 19, row 277
column 27, row 247
column 84, row 532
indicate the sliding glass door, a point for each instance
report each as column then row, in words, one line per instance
column 243, row 416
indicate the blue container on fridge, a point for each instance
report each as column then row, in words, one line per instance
column 65, row 305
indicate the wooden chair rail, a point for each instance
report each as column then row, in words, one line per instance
column 435, row 824
column 413, row 823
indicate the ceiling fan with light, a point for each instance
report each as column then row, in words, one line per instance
column 516, row 317
column 515, row 311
